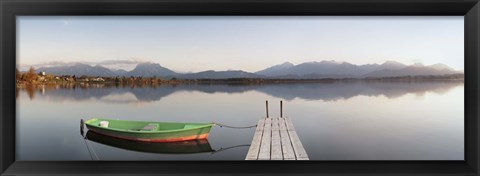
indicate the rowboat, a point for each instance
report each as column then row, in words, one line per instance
column 180, row 147
column 149, row 131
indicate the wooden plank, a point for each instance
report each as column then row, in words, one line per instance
column 257, row 137
column 289, row 124
column 275, row 124
column 276, row 150
column 300, row 152
column 265, row 145
column 260, row 124
column 287, row 149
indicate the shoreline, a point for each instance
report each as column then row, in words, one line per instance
column 241, row 81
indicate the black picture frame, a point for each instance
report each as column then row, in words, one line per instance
column 9, row 9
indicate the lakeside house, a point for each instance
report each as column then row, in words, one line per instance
column 98, row 79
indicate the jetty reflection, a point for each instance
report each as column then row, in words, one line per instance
column 111, row 93
column 184, row 147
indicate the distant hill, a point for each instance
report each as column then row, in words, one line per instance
column 78, row 70
column 120, row 72
column 410, row 71
column 441, row 67
column 333, row 69
column 276, row 69
column 322, row 69
column 143, row 69
column 150, row 70
column 392, row 65
column 287, row 70
column 325, row 68
column 210, row 74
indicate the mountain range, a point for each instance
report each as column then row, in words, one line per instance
column 307, row 70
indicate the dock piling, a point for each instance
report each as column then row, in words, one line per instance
column 281, row 108
column 266, row 106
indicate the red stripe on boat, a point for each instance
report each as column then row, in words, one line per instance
column 186, row 138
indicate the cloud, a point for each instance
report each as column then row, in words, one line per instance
column 116, row 62
column 113, row 64
column 125, row 64
column 53, row 64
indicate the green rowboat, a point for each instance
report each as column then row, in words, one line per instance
column 149, row 131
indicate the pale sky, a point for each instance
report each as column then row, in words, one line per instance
column 196, row 43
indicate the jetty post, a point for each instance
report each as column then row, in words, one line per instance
column 266, row 106
column 281, row 108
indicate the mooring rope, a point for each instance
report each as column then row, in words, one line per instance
column 96, row 156
column 228, row 126
column 90, row 153
column 223, row 149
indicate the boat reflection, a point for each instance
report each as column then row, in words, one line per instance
column 183, row 147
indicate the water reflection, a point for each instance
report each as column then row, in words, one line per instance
column 347, row 90
column 114, row 93
column 352, row 121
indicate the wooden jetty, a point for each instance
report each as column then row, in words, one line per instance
column 276, row 139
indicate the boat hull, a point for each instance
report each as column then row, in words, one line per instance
column 182, row 147
column 174, row 132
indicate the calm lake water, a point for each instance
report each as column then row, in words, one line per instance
column 334, row 121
